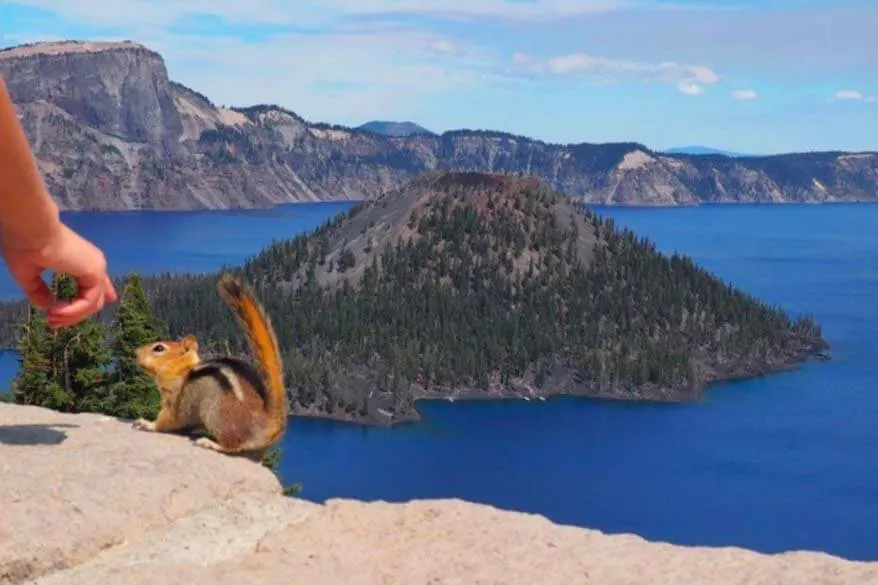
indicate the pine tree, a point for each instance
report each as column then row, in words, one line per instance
column 134, row 324
column 132, row 394
column 271, row 459
column 34, row 383
column 78, row 357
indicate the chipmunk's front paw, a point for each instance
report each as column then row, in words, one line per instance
column 142, row 424
column 207, row 443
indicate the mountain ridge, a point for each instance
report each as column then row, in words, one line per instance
column 111, row 131
column 696, row 149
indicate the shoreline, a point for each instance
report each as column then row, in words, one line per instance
column 597, row 204
column 561, row 384
column 667, row 396
column 232, row 209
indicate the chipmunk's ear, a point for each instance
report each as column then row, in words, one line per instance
column 190, row 343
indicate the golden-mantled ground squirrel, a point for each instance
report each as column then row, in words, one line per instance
column 242, row 407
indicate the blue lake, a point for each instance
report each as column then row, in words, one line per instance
column 776, row 463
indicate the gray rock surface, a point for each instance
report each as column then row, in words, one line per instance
column 87, row 500
column 111, row 131
column 73, row 485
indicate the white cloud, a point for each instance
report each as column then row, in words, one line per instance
column 343, row 68
column 852, row 95
column 690, row 88
column 744, row 94
column 344, row 76
column 848, row 94
column 358, row 58
column 312, row 12
column 512, row 10
column 689, row 79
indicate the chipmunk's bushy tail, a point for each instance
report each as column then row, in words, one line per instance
column 264, row 347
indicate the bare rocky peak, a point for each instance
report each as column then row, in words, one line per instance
column 394, row 215
column 88, row 500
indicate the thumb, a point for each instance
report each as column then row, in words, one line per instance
column 110, row 291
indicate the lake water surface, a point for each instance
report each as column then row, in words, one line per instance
column 777, row 463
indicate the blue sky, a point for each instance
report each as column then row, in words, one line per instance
column 756, row 76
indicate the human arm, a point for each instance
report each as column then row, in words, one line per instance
column 32, row 236
column 28, row 214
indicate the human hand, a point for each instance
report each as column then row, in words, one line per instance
column 63, row 251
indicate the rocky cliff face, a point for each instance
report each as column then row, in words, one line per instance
column 120, row 89
column 111, row 131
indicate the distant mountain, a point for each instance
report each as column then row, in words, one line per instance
column 699, row 150
column 394, row 128
column 112, row 131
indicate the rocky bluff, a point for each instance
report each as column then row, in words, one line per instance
column 111, row 131
column 167, row 512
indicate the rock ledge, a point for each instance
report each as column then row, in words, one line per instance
column 88, row 500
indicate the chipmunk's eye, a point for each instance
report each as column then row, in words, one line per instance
column 158, row 348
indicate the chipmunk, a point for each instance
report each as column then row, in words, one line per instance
column 242, row 407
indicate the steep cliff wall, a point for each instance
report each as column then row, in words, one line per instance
column 120, row 89
column 113, row 132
